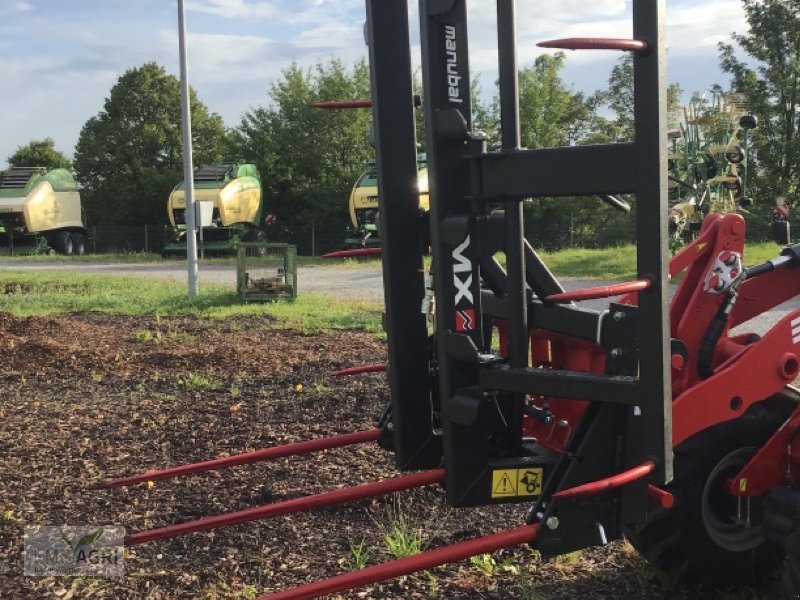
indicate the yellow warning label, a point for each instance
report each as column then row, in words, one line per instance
column 511, row 483
column 504, row 483
column 743, row 484
column 530, row 481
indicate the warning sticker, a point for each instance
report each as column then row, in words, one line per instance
column 504, row 483
column 512, row 483
column 530, row 481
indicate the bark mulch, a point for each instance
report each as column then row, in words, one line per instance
column 87, row 397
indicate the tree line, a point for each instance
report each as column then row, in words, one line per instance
column 128, row 156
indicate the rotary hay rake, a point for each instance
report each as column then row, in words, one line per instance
column 648, row 419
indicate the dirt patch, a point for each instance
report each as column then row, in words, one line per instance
column 88, row 397
column 44, row 287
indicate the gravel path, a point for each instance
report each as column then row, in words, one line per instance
column 352, row 282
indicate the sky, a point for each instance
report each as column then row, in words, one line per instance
column 60, row 58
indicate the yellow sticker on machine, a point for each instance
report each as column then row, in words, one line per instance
column 513, row 483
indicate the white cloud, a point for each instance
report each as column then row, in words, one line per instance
column 331, row 35
column 234, row 9
column 215, row 58
column 8, row 8
column 701, row 25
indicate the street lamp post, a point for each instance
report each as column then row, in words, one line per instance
column 188, row 170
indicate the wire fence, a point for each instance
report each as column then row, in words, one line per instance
column 556, row 232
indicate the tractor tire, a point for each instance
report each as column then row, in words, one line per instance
column 78, row 244
column 790, row 579
column 697, row 540
column 258, row 236
column 63, row 242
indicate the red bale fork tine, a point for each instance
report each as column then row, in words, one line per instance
column 368, row 490
column 354, row 103
column 358, row 370
column 596, row 43
column 337, row 104
column 459, row 551
column 410, row 564
column 353, row 253
column 602, row 291
column 246, row 458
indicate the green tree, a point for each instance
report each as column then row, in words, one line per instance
column 129, row 156
column 550, row 113
column 618, row 97
column 39, row 153
column 770, row 79
column 310, row 158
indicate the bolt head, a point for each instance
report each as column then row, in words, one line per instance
column 552, row 523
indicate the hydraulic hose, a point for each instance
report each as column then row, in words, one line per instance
column 712, row 335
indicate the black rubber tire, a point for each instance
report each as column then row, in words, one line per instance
column 62, row 242
column 78, row 244
column 781, row 232
column 790, row 578
column 677, row 541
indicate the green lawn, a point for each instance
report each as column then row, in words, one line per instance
column 29, row 293
column 620, row 262
column 26, row 293
column 151, row 257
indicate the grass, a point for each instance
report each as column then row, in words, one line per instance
column 39, row 293
column 620, row 262
column 26, row 293
column 359, row 555
column 196, row 381
column 153, row 257
column 121, row 257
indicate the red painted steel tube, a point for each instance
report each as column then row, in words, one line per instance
column 410, row 564
column 353, row 253
column 608, row 483
column 661, row 497
column 369, row 490
column 602, row 291
column 593, row 43
column 357, row 103
column 357, row 370
column 246, row 458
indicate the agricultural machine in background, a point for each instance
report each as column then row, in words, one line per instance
column 232, row 194
column 708, row 162
column 364, row 205
column 364, row 201
column 648, row 419
column 41, row 207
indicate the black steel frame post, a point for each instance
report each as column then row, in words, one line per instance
column 402, row 238
column 650, row 119
column 454, row 243
column 516, row 289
